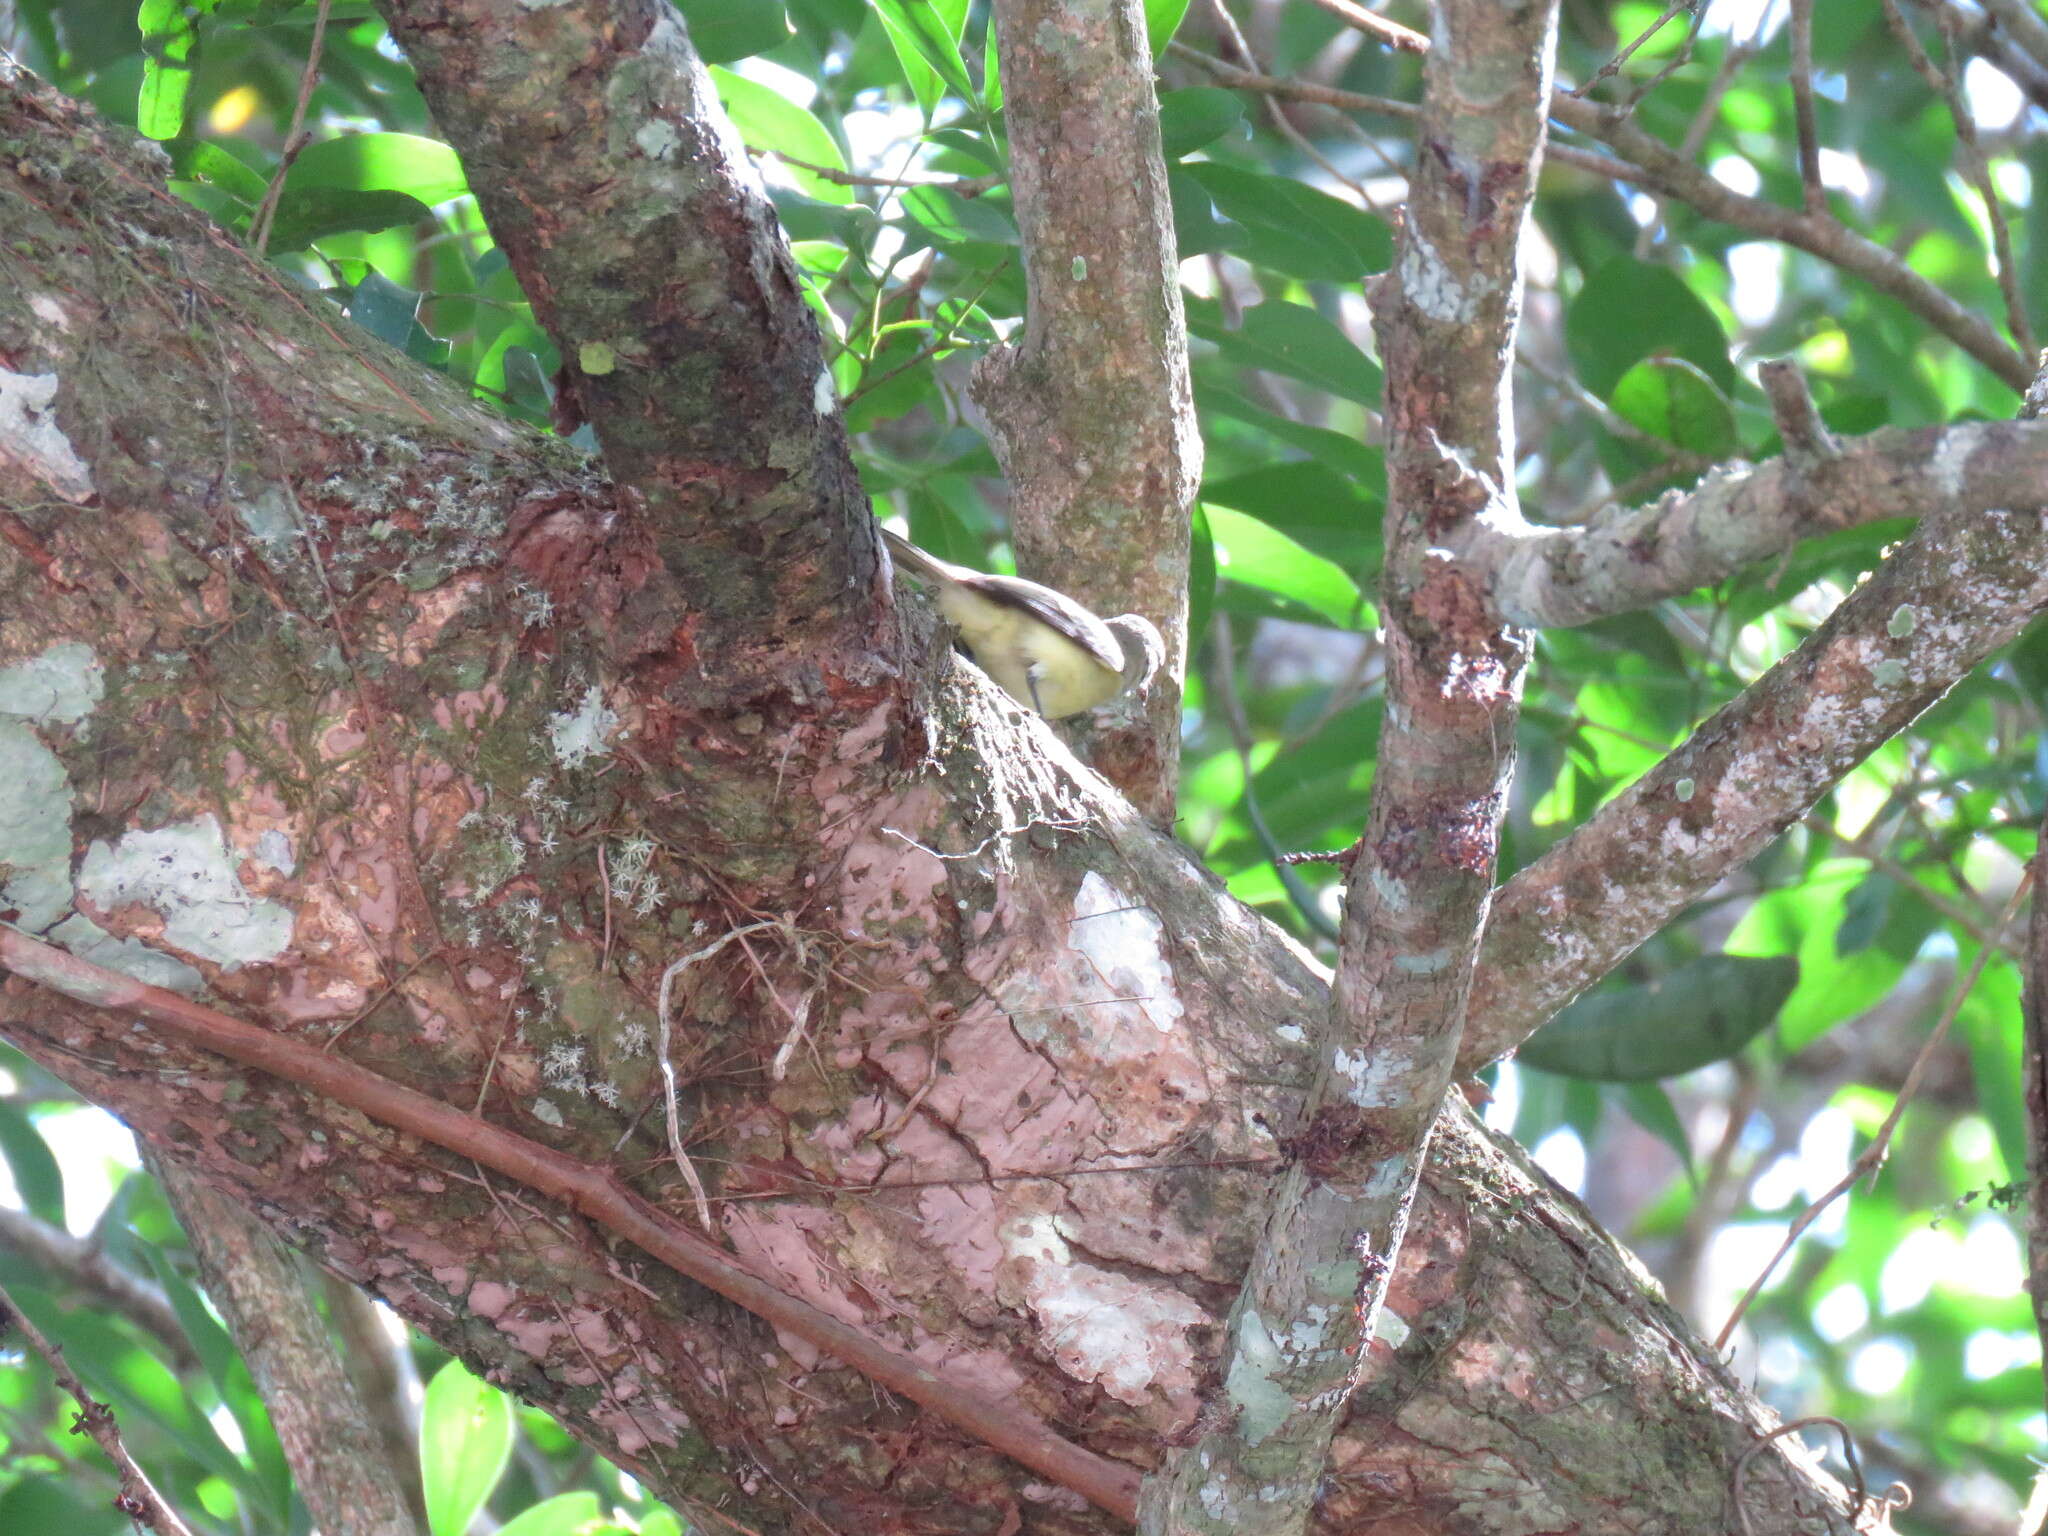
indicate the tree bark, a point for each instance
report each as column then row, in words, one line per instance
column 275, row 588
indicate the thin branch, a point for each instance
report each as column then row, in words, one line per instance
column 1806, row 437
column 1626, row 558
column 1646, row 161
column 138, row 1499
column 1802, row 108
column 2034, row 1068
column 295, row 138
column 1964, row 584
column 1615, row 65
column 1872, row 1157
column 84, row 1266
column 1392, row 33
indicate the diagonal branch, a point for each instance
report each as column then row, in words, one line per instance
column 1417, row 893
column 1627, row 558
column 1965, row 584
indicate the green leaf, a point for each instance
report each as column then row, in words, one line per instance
column 1361, row 461
column 204, row 161
column 1703, row 1011
column 566, row 1514
column 1296, row 229
column 1802, row 920
column 942, row 217
column 1630, row 310
column 37, row 1177
column 1293, row 340
column 382, row 162
column 1196, row 229
column 1200, row 115
column 465, row 1441
column 49, row 1503
column 1309, row 502
column 769, row 120
column 170, row 44
column 1651, row 1108
column 928, row 32
column 384, row 309
column 1670, row 398
column 1162, row 20
column 724, row 30
column 308, row 214
column 1254, row 555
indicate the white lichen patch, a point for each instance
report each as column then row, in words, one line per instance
column 63, row 685
column 579, row 734
column 31, row 439
column 1262, row 1403
column 1124, row 941
column 1128, row 1337
column 1952, row 457
column 824, row 393
column 49, row 309
column 1373, row 1080
column 186, row 875
column 131, row 957
column 1430, row 284
column 35, row 828
column 657, row 140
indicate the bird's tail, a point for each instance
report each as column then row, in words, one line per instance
column 907, row 553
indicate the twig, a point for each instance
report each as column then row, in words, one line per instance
column 295, row 139
column 138, row 1499
column 1373, row 24
column 668, row 1069
column 1802, row 107
column 966, row 186
column 1858, row 1496
column 1614, row 65
column 1301, row 141
column 1941, row 80
column 1806, row 437
column 1871, row 1159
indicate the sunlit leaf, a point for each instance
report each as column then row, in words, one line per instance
column 465, row 1441
column 769, row 121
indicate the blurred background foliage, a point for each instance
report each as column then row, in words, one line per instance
column 1739, row 1061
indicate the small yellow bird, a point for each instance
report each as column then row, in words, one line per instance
column 1041, row 647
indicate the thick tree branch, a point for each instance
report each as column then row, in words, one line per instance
column 1627, row 558
column 1091, row 412
column 596, row 1193
column 1416, row 897
column 350, row 1485
column 597, row 147
column 1966, row 583
column 1034, row 1095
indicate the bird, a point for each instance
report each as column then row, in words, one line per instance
column 1040, row 646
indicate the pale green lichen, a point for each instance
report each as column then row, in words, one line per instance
column 62, row 685
column 186, row 874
